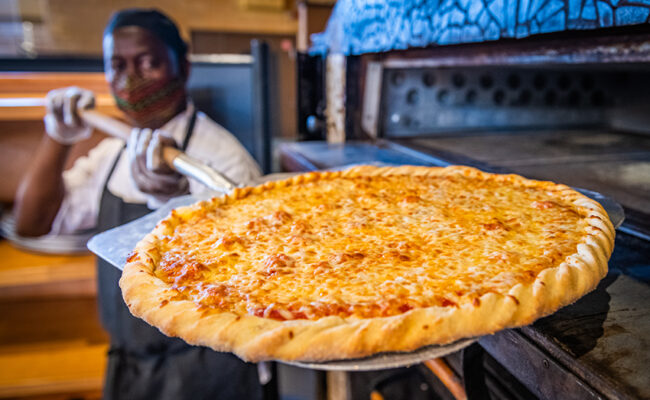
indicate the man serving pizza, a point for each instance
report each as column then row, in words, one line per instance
column 147, row 69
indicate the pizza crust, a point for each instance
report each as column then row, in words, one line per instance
column 254, row 338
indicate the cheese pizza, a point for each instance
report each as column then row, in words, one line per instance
column 336, row 265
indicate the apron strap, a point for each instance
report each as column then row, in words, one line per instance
column 110, row 173
column 189, row 131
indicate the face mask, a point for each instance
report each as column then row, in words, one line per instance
column 149, row 101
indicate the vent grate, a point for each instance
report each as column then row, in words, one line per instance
column 430, row 100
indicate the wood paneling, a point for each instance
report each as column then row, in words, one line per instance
column 312, row 18
column 71, row 371
column 21, row 119
column 76, row 26
column 52, row 345
column 27, row 275
column 42, row 82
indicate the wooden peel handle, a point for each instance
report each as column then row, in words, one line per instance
column 176, row 159
column 120, row 130
column 106, row 124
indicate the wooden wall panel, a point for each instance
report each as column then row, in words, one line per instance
column 21, row 120
column 76, row 26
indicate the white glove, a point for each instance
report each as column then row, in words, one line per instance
column 148, row 168
column 62, row 123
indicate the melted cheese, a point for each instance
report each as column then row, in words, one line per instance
column 365, row 247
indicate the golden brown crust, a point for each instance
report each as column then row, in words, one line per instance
column 254, row 338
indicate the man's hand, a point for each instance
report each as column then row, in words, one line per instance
column 62, row 122
column 148, row 168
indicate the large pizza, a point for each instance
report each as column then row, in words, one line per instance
column 335, row 265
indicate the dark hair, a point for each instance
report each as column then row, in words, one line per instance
column 154, row 21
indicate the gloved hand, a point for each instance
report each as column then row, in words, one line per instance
column 148, row 168
column 62, row 123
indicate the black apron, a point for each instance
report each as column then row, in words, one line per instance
column 142, row 362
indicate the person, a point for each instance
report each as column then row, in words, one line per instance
column 147, row 69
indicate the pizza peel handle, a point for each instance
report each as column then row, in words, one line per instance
column 176, row 159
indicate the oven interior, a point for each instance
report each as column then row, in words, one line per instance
column 587, row 126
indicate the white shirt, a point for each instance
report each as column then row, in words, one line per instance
column 84, row 182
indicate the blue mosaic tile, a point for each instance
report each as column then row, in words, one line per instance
column 523, row 8
column 446, row 6
column 483, row 19
column 554, row 23
column 522, row 31
column 456, row 17
column 535, row 6
column 511, row 16
column 589, row 10
column 475, row 8
column 418, row 27
column 456, row 34
column 445, row 38
column 551, row 8
column 497, row 11
column 444, row 20
column 534, row 27
column 464, row 4
column 574, row 9
column 492, row 32
column 359, row 26
column 605, row 14
column 472, row 33
column 626, row 15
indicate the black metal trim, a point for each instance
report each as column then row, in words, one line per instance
column 262, row 129
column 52, row 64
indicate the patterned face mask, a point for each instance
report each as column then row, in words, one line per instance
column 150, row 101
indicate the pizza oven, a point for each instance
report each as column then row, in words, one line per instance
column 570, row 105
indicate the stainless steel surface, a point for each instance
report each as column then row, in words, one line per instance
column 615, row 164
column 47, row 244
column 627, row 181
column 614, row 210
column 386, row 360
column 536, row 147
column 114, row 245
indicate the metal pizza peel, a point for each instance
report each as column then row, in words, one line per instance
column 387, row 360
column 114, row 246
